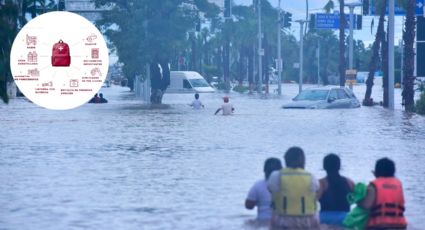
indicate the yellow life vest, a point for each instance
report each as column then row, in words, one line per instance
column 295, row 197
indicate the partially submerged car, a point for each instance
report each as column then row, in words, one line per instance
column 324, row 98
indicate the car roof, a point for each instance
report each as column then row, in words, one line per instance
column 187, row 74
column 327, row 87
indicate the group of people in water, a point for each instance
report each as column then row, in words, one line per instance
column 226, row 108
column 292, row 198
column 98, row 99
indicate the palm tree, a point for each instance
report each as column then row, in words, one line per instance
column 8, row 28
column 374, row 60
column 409, row 55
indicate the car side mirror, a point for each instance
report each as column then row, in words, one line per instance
column 331, row 99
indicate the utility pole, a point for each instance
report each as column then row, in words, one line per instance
column 391, row 55
column 260, row 51
column 227, row 46
column 351, row 6
column 300, row 83
column 401, row 46
column 318, row 62
column 279, row 56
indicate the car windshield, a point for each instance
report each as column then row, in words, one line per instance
column 198, row 83
column 312, row 95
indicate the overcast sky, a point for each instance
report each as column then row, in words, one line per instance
column 297, row 8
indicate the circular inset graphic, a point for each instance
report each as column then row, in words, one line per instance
column 59, row 60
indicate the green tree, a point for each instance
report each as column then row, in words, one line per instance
column 328, row 55
column 408, row 68
column 14, row 15
column 151, row 32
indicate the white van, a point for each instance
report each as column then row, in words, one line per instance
column 188, row 82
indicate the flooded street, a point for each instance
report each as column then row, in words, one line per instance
column 122, row 165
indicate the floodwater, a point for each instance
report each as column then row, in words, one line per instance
column 123, row 165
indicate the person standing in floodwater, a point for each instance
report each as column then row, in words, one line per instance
column 294, row 194
column 259, row 195
column 385, row 199
column 226, row 108
column 333, row 192
column 197, row 104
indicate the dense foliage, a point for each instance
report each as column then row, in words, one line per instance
column 192, row 35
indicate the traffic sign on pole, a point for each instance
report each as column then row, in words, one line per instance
column 369, row 8
column 420, row 5
column 331, row 21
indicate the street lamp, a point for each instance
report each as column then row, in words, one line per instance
column 260, row 51
column 279, row 56
column 300, row 83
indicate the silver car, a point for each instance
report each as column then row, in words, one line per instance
column 324, row 98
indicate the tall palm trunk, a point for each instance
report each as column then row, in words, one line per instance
column 341, row 43
column 409, row 55
column 9, row 13
column 380, row 34
column 250, row 55
column 385, row 69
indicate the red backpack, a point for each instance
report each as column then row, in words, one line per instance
column 60, row 54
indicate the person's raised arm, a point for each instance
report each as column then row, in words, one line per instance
column 251, row 198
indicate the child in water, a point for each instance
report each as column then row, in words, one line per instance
column 197, row 104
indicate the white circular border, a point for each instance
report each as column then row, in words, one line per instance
column 59, row 88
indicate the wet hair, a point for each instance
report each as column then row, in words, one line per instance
column 100, row 94
column 337, row 185
column 95, row 95
column 384, row 167
column 196, row 96
column 270, row 165
column 294, row 158
column 331, row 163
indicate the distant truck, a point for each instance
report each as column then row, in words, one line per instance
column 188, row 82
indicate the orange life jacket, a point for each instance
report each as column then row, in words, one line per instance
column 388, row 208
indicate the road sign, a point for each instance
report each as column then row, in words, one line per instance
column 331, row 21
column 350, row 76
column 398, row 10
column 420, row 5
